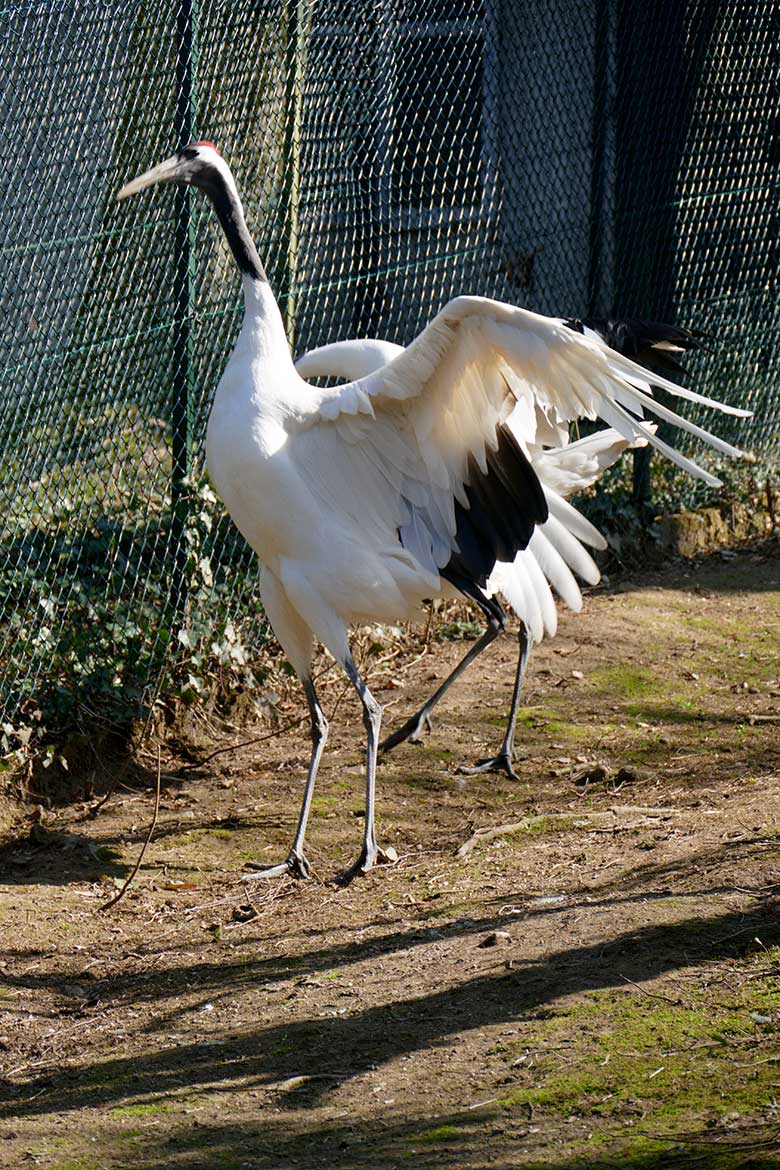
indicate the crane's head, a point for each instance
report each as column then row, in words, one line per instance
column 201, row 165
column 197, row 165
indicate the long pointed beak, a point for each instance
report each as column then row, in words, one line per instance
column 164, row 172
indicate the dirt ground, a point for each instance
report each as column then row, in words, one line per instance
column 597, row 986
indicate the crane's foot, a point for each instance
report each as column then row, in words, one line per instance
column 370, row 857
column 412, row 730
column 500, row 763
column 295, row 865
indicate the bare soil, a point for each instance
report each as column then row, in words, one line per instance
column 597, row 986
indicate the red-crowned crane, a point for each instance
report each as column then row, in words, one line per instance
column 364, row 499
column 556, row 550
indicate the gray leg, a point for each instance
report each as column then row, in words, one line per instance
column 503, row 761
column 296, row 862
column 412, row 729
column 370, row 853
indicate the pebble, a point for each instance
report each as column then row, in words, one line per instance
column 496, row 938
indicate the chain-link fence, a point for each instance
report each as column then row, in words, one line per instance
column 573, row 156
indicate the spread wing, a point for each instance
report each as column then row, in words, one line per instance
column 453, row 384
column 429, row 458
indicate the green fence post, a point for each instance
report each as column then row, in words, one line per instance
column 295, row 67
column 652, row 112
column 182, row 412
column 598, row 179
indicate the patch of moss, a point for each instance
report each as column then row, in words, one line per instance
column 325, row 803
column 222, row 1158
column 248, row 855
column 550, row 724
column 459, row 631
column 562, row 1094
column 431, row 751
column 535, row 716
column 623, row 681
column 673, row 1062
column 430, row 782
column 555, row 824
column 144, row 1109
column 676, row 702
column 182, row 839
column 442, row 1133
column 448, row 910
column 107, row 853
column 79, row 1164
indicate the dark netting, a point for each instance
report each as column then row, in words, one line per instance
column 573, row 157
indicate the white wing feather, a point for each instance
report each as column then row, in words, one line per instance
column 574, row 521
column 347, row 359
column 458, row 365
column 575, row 466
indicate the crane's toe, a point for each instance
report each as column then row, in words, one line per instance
column 423, row 724
column 295, row 864
column 370, row 857
column 500, row 763
column 412, row 730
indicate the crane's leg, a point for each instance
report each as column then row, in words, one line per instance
column 503, row 761
column 412, row 729
column 370, row 853
column 295, row 862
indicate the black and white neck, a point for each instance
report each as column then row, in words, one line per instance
column 201, row 165
column 215, row 178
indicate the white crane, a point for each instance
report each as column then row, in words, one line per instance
column 364, row 499
column 556, row 549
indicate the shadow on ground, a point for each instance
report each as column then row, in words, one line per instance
column 328, row 1053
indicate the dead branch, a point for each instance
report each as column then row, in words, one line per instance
column 117, row 897
column 586, row 821
column 651, row 994
column 235, row 746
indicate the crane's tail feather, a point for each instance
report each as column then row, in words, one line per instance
column 574, row 521
column 553, row 564
column 571, row 550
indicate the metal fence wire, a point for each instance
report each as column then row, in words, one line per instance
column 572, row 156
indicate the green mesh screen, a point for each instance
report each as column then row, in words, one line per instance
column 573, row 156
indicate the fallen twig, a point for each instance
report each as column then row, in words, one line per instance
column 479, row 836
column 575, row 820
column 651, row 994
column 235, row 746
column 113, row 901
column 720, row 1139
